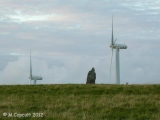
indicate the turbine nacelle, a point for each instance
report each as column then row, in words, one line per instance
column 33, row 77
column 118, row 46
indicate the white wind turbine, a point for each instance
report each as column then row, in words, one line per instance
column 117, row 47
column 33, row 77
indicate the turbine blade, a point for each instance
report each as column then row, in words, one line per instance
column 111, row 65
column 115, row 40
column 112, row 33
column 30, row 65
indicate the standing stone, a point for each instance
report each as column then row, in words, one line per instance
column 91, row 77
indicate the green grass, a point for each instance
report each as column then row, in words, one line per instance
column 82, row 102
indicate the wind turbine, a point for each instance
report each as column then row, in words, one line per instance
column 116, row 46
column 33, row 77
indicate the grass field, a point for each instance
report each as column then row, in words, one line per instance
column 80, row 102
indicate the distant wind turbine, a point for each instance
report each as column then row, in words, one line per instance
column 117, row 47
column 33, row 77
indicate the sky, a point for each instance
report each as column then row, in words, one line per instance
column 69, row 37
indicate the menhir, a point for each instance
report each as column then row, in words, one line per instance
column 91, row 78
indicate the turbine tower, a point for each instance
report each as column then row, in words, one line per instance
column 33, row 77
column 116, row 46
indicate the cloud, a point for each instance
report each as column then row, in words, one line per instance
column 14, row 73
column 72, row 70
column 26, row 18
column 69, row 38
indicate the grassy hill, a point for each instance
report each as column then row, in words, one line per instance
column 78, row 102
